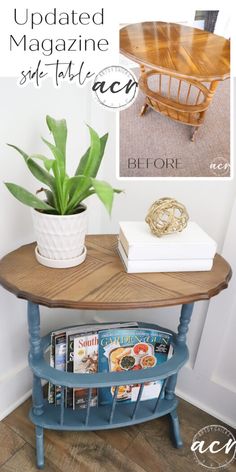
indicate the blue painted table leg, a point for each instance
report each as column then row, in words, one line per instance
column 39, row 447
column 175, row 429
column 35, row 352
column 174, row 420
column 185, row 317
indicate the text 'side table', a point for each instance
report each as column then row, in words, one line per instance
column 101, row 283
column 180, row 67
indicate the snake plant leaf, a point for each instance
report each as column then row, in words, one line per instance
column 49, row 195
column 77, row 187
column 58, row 128
column 26, row 197
column 46, row 162
column 90, row 162
column 96, row 164
column 118, row 190
column 24, row 155
column 40, row 174
column 34, row 168
column 58, row 158
column 64, row 194
column 105, row 192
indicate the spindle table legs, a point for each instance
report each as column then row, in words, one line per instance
column 37, row 393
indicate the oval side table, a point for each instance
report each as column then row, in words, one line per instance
column 180, row 67
column 101, row 283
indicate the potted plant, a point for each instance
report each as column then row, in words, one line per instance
column 60, row 220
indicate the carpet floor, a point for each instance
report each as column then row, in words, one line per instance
column 156, row 146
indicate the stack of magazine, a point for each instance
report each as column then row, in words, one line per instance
column 116, row 347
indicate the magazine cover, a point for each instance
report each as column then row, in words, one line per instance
column 75, row 337
column 132, row 349
column 60, row 361
column 57, row 360
column 85, row 361
column 51, row 387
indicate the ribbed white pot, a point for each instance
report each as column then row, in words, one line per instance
column 60, row 237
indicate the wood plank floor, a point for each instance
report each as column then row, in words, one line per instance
column 140, row 448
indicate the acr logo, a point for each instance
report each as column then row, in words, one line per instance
column 115, row 87
column 214, row 447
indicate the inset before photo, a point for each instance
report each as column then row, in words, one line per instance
column 179, row 124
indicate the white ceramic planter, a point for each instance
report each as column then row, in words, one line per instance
column 60, row 238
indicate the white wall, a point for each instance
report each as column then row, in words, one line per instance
column 22, row 123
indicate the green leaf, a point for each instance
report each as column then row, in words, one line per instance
column 97, row 160
column 49, row 195
column 58, row 187
column 77, row 186
column 47, row 162
column 105, row 192
column 118, row 190
column 35, row 169
column 89, row 161
column 26, row 197
column 40, row 174
column 58, row 157
column 58, row 129
column 24, row 155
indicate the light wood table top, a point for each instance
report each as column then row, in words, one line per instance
column 101, row 282
column 183, row 50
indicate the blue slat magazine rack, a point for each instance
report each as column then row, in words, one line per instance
column 106, row 288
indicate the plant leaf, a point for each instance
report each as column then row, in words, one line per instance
column 90, row 161
column 105, row 192
column 118, row 190
column 58, row 129
column 49, row 195
column 47, row 162
column 26, row 197
column 77, row 186
column 40, row 174
column 97, row 161
column 24, row 155
column 58, row 157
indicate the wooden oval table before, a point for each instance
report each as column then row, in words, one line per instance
column 180, row 67
column 101, row 283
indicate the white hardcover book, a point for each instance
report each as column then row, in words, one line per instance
column 140, row 244
column 163, row 265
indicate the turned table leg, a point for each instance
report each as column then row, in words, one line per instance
column 185, row 317
column 194, row 132
column 35, row 352
column 145, row 105
column 143, row 109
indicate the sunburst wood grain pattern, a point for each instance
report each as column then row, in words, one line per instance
column 101, row 282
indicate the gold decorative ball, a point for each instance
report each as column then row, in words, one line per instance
column 167, row 216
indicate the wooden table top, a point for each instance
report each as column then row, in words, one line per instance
column 183, row 50
column 101, row 282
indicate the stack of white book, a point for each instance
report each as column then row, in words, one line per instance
column 141, row 251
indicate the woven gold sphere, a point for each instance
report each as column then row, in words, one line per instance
column 167, row 216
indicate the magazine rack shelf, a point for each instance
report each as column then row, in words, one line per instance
column 101, row 283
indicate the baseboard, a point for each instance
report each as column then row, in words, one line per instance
column 206, row 408
column 16, row 387
column 15, row 405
